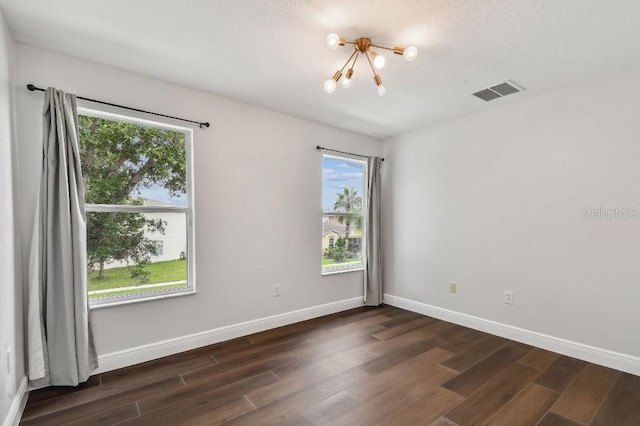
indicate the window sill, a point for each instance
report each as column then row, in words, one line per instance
column 112, row 303
column 342, row 271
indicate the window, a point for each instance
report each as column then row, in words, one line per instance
column 343, row 189
column 159, row 247
column 138, row 198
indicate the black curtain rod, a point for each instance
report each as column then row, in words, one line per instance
column 32, row 88
column 321, row 148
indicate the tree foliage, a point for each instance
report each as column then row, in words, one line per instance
column 118, row 159
column 349, row 202
column 338, row 251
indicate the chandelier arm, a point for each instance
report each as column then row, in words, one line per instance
column 382, row 47
column 355, row 59
column 348, row 60
column 370, row 64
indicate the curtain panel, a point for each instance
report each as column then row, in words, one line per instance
column 60, row 346
column 373, row 270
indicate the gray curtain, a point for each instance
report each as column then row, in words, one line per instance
column 373, row 271
column 60, row 344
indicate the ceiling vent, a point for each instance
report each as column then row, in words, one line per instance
column 498, row 91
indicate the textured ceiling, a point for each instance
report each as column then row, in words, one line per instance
column 271, row 53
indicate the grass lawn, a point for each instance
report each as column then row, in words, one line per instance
column 161, row 272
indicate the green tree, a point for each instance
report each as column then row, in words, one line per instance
column 118, row 159
column 349, row 202
column 338, row 251
column 121, row 237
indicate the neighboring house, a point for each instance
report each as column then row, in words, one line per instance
column 172, row 244
column 330, row 237
column 332, row 229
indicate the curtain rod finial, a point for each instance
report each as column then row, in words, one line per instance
column 31, row 87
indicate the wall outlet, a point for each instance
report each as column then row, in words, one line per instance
column 276, row 290
column 453, row 287
column 9, row 361
column 508, row 297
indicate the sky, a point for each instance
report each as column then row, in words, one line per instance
column 338, row 174
column 160, row 193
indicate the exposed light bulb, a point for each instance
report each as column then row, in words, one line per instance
column 410, row 53
column 378, row 60
column 332, row 40
column 346, row 80
column 330, row 85
column 381, row 90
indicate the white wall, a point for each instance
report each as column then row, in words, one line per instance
column 257, row 201
column 174, row 237
column 493, row 202
column 10, row 290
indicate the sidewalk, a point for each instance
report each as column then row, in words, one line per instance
column 134, row 287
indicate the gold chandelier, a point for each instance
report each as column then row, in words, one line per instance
column 362, row 46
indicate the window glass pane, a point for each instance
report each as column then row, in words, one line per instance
column 342, row 234
column 341, row 249
column 339, row 175
column 131, row 253
column 125, row 163
column 159, row 248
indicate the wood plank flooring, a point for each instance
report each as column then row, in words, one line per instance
column 368, row 366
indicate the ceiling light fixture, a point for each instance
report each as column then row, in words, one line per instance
column 362, row 46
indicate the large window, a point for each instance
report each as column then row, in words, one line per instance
column 343, row 189
column 137, row 178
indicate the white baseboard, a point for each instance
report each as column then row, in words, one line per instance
column 619, row 361
column 18, row 404
column 128, row 357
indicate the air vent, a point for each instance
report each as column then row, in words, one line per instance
column 498, row 91
column 487, row 95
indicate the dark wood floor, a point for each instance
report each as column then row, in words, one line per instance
column 362, row 367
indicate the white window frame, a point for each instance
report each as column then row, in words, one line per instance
column 354, row 266
column 190, row 288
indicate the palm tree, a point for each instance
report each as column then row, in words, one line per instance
column 350, row 202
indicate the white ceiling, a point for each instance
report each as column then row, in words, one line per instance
column 271, row 53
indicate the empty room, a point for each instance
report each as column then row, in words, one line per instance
column 275, row 212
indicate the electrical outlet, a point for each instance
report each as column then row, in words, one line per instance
column 9, row 361
column 508, row 297
column 276, row 290
column 453, row 287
